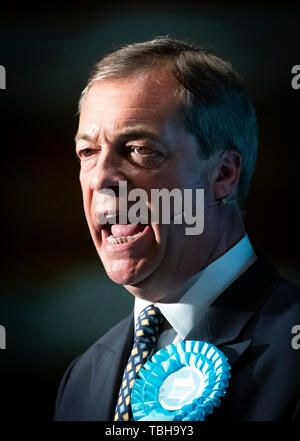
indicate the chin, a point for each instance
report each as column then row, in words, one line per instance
column 131, row 275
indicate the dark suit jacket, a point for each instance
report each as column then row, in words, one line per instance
column 251, row 322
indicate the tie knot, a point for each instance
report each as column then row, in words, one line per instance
column 149, row 323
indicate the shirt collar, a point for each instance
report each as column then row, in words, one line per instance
column 208, row 285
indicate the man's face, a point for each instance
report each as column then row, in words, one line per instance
column 128, row 132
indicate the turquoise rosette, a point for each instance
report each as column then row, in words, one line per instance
column 182, row 382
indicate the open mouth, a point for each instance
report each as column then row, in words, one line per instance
column 119, row 234
column 123, row 233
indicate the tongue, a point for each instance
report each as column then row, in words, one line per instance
column 118, row 230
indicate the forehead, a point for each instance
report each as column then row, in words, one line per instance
column 148, row 98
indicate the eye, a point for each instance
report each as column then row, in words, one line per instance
column 143, row 151
column 146, row 157
column 86, row 153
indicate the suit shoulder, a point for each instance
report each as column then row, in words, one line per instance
column 285, row 298
column 276, row 319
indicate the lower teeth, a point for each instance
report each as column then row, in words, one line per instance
column 122, row 239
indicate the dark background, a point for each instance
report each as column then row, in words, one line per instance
column 55, row 298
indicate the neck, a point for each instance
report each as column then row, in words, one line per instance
column 229, row 230
column 171, row 282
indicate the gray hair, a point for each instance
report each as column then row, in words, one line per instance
column 212, row 97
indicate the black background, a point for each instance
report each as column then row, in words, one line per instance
column 55, row 298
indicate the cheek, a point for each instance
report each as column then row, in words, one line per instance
column 86, row 193
column 173, row 175
column 169, row 244
column 163, row 233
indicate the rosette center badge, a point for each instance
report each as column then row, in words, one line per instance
column 183, row 382
column 181, row 388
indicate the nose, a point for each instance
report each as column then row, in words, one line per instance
column 107, row 173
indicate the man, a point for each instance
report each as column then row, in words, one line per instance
column 166, row 114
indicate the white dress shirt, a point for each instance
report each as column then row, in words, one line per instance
column 208, row 285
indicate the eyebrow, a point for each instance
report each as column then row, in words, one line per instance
column 83, row 136
column 127, row 133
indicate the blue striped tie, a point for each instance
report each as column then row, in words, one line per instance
column 147, row 330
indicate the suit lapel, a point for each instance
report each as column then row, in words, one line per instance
column 228, row 315
column 235, row 350
column 109, row 360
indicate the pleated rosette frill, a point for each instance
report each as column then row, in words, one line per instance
column 183, row 382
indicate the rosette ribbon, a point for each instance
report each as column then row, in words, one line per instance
column 183, row 382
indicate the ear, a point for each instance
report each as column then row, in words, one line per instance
column 228, row 174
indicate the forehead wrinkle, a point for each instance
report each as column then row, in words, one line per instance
column 131, row 129
column 128, row 112
column 130, row 90
column 105, row 117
